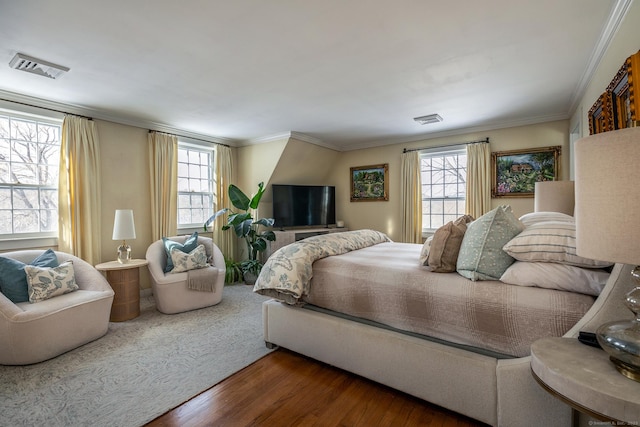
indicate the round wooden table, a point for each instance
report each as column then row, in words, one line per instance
column 125, row 282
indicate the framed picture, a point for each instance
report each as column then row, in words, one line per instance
column 370, row 183
column 516, row 172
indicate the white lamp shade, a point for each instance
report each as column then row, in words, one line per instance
column 123, row 226
column 554, row 196
column 607, row 202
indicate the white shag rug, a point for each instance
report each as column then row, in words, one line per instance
column 140, row 369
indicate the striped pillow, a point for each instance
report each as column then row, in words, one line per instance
column 550, row 241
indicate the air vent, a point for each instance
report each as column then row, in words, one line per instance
column 37, row 66
column 431, row 118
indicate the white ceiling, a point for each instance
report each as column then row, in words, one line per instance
column 345, row 73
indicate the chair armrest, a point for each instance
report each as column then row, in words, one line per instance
column 8, row 309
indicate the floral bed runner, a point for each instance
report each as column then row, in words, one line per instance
column 287, row 273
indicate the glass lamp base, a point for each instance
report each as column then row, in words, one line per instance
column 629, row 371
column 124, row 253
column 621, row 339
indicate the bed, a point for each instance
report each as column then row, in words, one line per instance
column 438, row 336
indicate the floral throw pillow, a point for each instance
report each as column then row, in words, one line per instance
column 182, row 262
column 49, row 282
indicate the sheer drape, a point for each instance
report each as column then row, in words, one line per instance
column 224, row 239
column 79, row 225
column 163, row 168
column 411, row 198
column 478, row 200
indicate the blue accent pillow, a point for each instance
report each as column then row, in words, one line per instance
column 13, row 279
column 190, row 244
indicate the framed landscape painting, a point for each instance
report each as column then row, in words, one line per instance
column 370, row 183
column 516, row 172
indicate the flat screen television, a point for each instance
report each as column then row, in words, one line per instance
column 303, row 205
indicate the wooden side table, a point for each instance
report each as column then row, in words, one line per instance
column 585, row 379
column 125, row 281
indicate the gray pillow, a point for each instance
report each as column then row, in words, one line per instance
column 481, row 256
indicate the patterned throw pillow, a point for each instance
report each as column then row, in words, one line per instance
column 13, row 281
column 49, row 282
column 197, row 258
column 186, row 247
column 424, row 253
column 481, row 256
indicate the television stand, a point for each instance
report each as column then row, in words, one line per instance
column 285, row 237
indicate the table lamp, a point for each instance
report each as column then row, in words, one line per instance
column 554, row 196
column 124, row 229
column 608, row 227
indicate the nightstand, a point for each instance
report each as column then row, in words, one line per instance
column 125, row 281
column 585, row 379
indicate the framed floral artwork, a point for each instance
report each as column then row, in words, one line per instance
column 516, row 172
column 370, row 183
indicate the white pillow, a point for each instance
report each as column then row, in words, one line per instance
column 556, row 276
column 536, row 217
column 182, row 262
column 550, row 241
column 424, row 253
column 49, row 282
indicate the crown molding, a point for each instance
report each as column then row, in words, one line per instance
column 64, row 108
column 289, row 135
column 458, row 131
column 618, row 12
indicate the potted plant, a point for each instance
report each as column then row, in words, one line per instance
column 233, row 271
column 247, row 228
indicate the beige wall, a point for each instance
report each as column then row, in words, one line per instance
column 125, row 185
column 386, row 216
column 284, row 161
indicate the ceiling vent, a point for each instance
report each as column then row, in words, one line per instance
column 431, row 118
column 37, row 66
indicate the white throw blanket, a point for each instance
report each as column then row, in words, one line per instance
column 287, row 273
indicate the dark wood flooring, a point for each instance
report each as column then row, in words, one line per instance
column 286, row 389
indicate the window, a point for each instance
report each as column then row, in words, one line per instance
column 29, row 159
column 195, row 185
column 444, row 177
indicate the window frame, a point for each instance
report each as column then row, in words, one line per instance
column 15, row 241
column 437, row 152
column 188, row 144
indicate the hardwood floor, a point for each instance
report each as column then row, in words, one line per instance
column 286, row 389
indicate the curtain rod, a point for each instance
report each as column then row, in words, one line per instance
column 91, row 118
column 45, row 108
column 483, row 141
column 190, row 137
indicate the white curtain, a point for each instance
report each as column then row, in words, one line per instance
column 478, row 200
column 225, row 240
column 163, row 168
column 411, row 198
column 79, row 212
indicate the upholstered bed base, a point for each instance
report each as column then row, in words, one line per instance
column 499, row 392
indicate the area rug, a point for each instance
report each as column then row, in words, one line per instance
column 141, row 369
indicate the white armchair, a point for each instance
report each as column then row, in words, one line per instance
column 171, row 291
column 31, row 333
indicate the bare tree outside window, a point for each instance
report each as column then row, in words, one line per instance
column 444, row 177
column 195, row 186
column 29, row 159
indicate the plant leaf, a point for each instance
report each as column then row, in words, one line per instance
column 238, row 198
column 267, row 222
column 243, row 228
column 255, row 201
